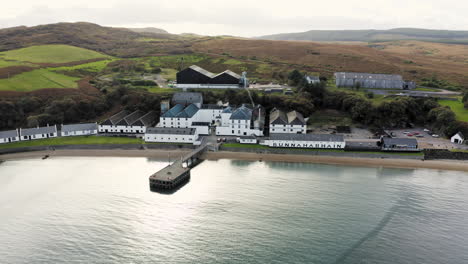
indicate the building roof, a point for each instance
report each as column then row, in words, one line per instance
column 202, row 71
column 227, row 110
column 187, row 98
column 38, row 130
column 460, row 135
column 181, row 112
column 400, row 141
column 229, row 72
column 79, row 127
column 307, row 137
column 9, row 134
column 147, row 120
column 248, row 137
column 278, row 117
column 170, row 131
column 131, row 118
column 371, row 76
column 211, row 106
column 113, row 120
column 311, row 78
column 296, row 118
column 242, row 113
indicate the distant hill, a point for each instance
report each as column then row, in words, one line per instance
column 119, row 42
column 149, row 30
column 443, row 36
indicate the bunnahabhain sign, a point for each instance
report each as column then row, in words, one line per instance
column 329, row 145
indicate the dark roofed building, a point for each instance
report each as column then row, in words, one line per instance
column 226, row 77
column 113, row 120
column 186, row 98
column 147, row 120
column 194, row 75
column 399, row 144
column 38, row 132
column 131, row 118
column 292, row 123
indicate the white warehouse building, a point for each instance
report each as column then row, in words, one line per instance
column 290, row 123
column 171, row 135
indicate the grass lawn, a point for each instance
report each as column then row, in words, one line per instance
column 457, row 107
column 82, row 140
column 168, row 74
column 5, row 63
column 161, row 90
column 51, row 54
column 96, row 66
column 37, row 79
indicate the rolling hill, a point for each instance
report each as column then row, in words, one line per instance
column 442, row 36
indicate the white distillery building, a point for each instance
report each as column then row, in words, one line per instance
column 458, row 138
column 128, row 123
column 9, row 136
column 79, row 129
column 248, row 140
column 110, row 125
column 242, row 121
column 372, row 80
column 290, row 123
column 313, row 141
column 38, row 133
column 171, row 135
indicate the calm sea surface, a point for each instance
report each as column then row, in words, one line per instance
column 100, row 210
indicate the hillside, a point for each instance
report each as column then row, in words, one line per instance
column 414, row 60
column 118, row 42
column 443, row 36
column 149, row 30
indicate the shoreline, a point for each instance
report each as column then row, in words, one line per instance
column 453, row 165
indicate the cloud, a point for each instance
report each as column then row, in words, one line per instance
column 242, row 17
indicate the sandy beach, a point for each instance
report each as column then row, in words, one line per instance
column 455, row 165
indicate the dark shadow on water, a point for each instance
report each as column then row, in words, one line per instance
column 171, row 191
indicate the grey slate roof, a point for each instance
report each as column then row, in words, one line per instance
column 170, row 131
column 131, row 118
column 296, row 118
column 242, row 113
column 38, row 130
column 181, row 112
column 147, row 120
column 9, row 134
column 460, row 135
column 278, row 117
column 202, row 71
column 227, row 110
column 79, row 127
column 113, row 120
column 307, row 137
column 173, row 111
column 400, row 141
column 187, row 98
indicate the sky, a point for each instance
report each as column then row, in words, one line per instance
column 246, row 18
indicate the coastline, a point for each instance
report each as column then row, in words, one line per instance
column 454, row 165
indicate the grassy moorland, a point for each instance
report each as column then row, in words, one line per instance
column 36, row 80
column 82, row 140
column 51, row 54
column 94, row 67
column 457, row 107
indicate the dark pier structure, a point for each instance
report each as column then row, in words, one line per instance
column 177, row 174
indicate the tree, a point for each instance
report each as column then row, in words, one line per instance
column 295, row 77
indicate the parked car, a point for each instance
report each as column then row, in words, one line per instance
column 420, row 136
column 416, row 133
column 426, row 130
column 406, row 132
column 435, row 135
column 409, row 135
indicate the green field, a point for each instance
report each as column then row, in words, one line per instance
column 37, row 79
column 82, row 140
column 96, row 66
column 9, row 63
column 457, row 107
column 51, row 54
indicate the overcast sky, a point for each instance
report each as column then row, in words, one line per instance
column 241, row 17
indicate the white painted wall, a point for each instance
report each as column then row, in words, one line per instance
column 305, row 144
column 12, row 139
column 39, row 136
column 167, row 138
column 288, row 129
column 122, row 129
column 248, row 141
column 456, row 136
column 79, row 133
column 202, row 130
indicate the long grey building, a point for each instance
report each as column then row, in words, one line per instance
column 371, row 81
